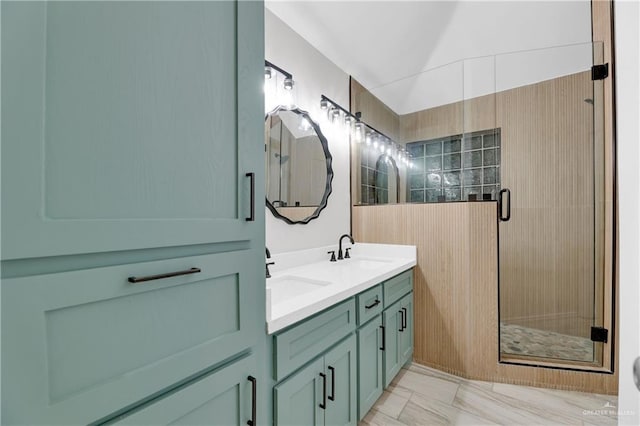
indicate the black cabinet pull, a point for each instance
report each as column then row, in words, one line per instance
column 404, row 318
column 383, row 338
column 332, row 397
column 373, row 305
column 252, row 214
column 401, row 320
column 323, row 405
column 501, row 203
column 161, row 276
column 254, row 385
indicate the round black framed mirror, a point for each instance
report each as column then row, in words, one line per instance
column 297, row 166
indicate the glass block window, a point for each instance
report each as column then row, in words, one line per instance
column 455, row 168
column 374, row 169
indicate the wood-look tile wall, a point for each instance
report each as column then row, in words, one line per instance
column 456, row 292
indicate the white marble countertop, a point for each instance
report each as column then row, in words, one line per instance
column 305, row 282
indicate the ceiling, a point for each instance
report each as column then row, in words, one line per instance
column 391, row 47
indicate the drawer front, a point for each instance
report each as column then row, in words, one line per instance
column 223, row 397
column 77, row 346
column 305, row 341
column 397, row 287
column 369, row 304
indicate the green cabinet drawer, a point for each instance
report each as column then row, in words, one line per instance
column 80, row 345
column 223, row 397
column 306, row 340
column 369, row 304
column 397, row 287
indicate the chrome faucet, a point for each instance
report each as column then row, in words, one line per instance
column 340, row 256
column 268, row 274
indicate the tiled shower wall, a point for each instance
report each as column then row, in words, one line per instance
column 454, row 168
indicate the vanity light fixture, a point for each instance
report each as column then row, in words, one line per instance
column 270, row 70
column 324, row 104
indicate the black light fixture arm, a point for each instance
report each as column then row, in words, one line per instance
column 277, row 68
column 357, row 116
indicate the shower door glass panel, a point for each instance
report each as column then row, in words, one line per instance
column 549, row 111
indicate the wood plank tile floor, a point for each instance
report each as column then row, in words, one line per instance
column 424, row 396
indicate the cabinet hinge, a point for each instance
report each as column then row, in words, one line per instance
column 599, row 334
column 599, row 72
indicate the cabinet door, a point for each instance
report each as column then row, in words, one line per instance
column 406, row 335
column 222, row 398
column 297, row 400
column 392, row 357
column 130, row 125
column 80, row 345
column 340, row 368
column 370, row 374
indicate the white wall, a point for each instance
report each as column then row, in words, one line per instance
column 626, row 23
column 314, row 75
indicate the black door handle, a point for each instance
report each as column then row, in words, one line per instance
column 323, row 405
column 404, row 318
column 383, row 338
column 501, row 204
column 332, row 397
column 401, row 320
column 254, row 385
column 252, row 213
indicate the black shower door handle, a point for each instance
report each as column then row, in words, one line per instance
column 501, row 204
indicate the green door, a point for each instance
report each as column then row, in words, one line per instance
column 221, row 398
column 392, row 356
column 340, row 368
column 406, row 335
column 130, row 125
column 297, row 400
column 370, row 374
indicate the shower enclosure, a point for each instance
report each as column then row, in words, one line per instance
column 524, row 130
column 555, row 304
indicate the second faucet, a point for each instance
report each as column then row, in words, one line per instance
column 340, row 256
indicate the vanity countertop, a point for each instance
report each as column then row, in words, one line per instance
column 305, row 282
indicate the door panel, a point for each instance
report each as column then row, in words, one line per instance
column 392, row 354
column 297, row 399
column 121, row 123
column 223, row 397
column 370, row 374
column 340, row 368
column 406, row 335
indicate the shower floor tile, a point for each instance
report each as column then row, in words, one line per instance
column 519, row 340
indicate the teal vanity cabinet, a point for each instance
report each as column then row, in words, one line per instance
column 132, row 232
column 316, row 369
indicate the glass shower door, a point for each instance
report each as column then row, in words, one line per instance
column 551, row 206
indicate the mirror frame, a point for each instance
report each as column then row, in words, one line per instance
column 328, row 157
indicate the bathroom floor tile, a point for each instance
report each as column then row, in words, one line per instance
column 423, row 396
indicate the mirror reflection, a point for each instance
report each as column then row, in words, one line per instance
column 297, row 164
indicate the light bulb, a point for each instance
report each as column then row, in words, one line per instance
column 288, row 83
column 268, row 72
column 368, row 139
column 348, row 120
column 324, row 104
column 335, row 115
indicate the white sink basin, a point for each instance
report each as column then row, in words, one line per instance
column 367, row 263
column 289, row 286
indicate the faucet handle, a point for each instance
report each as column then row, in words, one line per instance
column 346, row 253
column 333, row 255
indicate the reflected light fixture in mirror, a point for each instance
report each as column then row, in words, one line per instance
column 361, row 131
